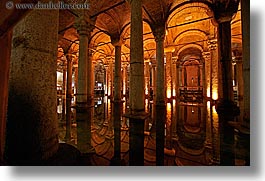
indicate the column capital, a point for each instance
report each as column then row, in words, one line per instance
column 84, row 25
column 116, row 40
column 212, row 44
column 224, row 10
column 124, row 64
column 70, row 56
column 206, row 55
column 159, row 33
column 174, row 61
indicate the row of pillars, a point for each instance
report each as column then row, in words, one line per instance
column 31, row 126
column 226, row 108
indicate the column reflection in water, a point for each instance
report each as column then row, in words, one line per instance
column 170, row 133
column 136, row 142
column 192, row 135
column 160, row 134
column 215, row 137
column 84, row 132
column 168, row 123
column 174, row 119
column 116, row 160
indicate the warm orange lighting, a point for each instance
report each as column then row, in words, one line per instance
column 146, row 89
column 146, row 104
column 168, row 122
column 214, row 110
column 124, row 88
column 215, row 117
column 215, row 95
column 168, row 93
column 208, row 92
column 174, row 92
column 108, row 90
column 208, row 105
column 166, row 32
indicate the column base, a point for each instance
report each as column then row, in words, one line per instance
column 136, row 137
column 137, row 115
column 117, row 101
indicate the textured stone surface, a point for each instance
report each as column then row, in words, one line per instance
column 147, row 78
column 160, row 75
column 246, row 59
column 32, row 118
column 168, row 77
column 118, row 76
column 136, row 58
column 5, row 46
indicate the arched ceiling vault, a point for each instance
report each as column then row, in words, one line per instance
column 186, row 22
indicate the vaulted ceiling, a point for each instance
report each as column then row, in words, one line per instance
column 189, row 23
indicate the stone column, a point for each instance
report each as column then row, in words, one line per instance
column 202, row 70
column 32, row 134
column 117, row 43
column 177, row 81
column 159, row 34
column 245, row 13
column 107, row 80
column 125, row 79
column 174, row 78
column 111, row 78
column 137, row 114
column 240, row 87
column 207, row 72
column 76, row 81
column 180, row 78
column 180, row 75
column 168, row 74
column 92, row 86
column 83, row 29
column 224, row 41
column 136, row 58
column 64, row 91
column 154, row 80
column 226, row 107
column 69, row 96
column 116, row 160
column 90, row 80
column 83, row 120
column 160, row 107
column 5, row 47
column 212, row 45
column 147, row 79
column 160, row 120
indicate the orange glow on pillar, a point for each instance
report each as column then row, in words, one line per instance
column 108, row 90
column 215, row 92
column 168, row 93
column 168, row 122
column 146, row 89
column 174, row 92
column 208, row 92
column 215, row 95
column 208, row 105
